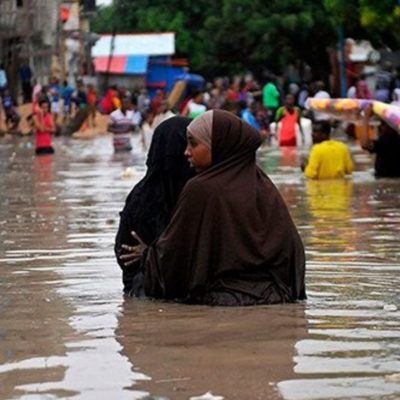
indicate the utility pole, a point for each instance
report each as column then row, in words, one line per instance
column 62, row 53
column 81, row 41
column 119, row 8
column 110, row 57
column 342, row 66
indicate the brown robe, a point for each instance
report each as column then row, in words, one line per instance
column 231, row 240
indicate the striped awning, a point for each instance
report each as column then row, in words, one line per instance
column 124, row 65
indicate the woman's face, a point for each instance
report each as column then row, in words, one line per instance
column 198, row 154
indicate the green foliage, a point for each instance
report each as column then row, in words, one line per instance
column 228, row 36
column 377, row 20
column 104, row 20
column 382, row 17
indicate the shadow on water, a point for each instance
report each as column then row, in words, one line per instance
column 66, row 331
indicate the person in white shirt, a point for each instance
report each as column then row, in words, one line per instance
column 122, row 126
column 321, row 94
column 151, row 121
column 195, row 107
column 147, row 130
column 137, row 115
column 396, row 97
column 164, row 114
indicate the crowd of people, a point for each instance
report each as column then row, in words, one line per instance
column 259, row 106
column 53, row 105
column 206, row 225
column 219, row 233
column 276, row 108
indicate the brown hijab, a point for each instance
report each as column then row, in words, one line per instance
column 201, row 128
column 231, row 240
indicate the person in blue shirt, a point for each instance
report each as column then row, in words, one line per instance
column 79, row 96
column 3, row 79
column 12, row 118
column 249, row 114
column 25, row 74
column 54, row 91
column 66, row 95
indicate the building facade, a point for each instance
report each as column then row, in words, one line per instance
column 29, row 34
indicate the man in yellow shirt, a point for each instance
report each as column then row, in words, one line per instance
column 329, row 159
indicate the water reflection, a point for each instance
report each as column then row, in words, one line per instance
column 353, row 287
column 57, row 316
column 31, row 311
column 330, row 206
column 236, row 353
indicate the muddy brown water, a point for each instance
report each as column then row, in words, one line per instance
column 67, row 332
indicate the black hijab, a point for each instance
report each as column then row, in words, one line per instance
column 231, row 240
column 149, row 206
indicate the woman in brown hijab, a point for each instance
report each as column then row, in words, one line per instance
column 231, row 240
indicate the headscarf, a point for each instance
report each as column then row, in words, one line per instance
column 149, row 206
column 201, row 128
column 231, row 240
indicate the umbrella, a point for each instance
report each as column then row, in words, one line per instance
column 351, row 109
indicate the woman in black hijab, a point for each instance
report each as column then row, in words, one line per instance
column 149, row 206
column 231, row 240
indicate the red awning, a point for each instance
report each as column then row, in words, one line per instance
column 117, row 65
column 129, row 65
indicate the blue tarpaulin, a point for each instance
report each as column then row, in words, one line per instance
column 194, row 80
column 136, row 64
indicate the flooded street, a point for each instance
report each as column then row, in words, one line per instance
column 66, row 331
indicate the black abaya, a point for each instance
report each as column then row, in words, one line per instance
column 149, row 206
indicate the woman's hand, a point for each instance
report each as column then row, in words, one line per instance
column 134, row 253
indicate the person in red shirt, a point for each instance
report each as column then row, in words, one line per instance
column 232, row 93
column 44, row 129
column 289, row 117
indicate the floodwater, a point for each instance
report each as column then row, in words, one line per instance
column 67, row 332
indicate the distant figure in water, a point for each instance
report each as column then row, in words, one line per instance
column 121, row 125
column 329, row 159
column 231, row 240
column 287, row 119
column 44, row 128
column 386, row 148
column 149, row 206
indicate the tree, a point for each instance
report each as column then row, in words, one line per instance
column 228, row 36
column 378, row 21
column 382, row 19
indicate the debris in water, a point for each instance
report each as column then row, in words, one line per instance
column 207, row 396
column 186, row 378
column 390, row 307
column 129, row 172
column 392, row 378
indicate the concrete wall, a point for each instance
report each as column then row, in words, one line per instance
column 29, row 32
